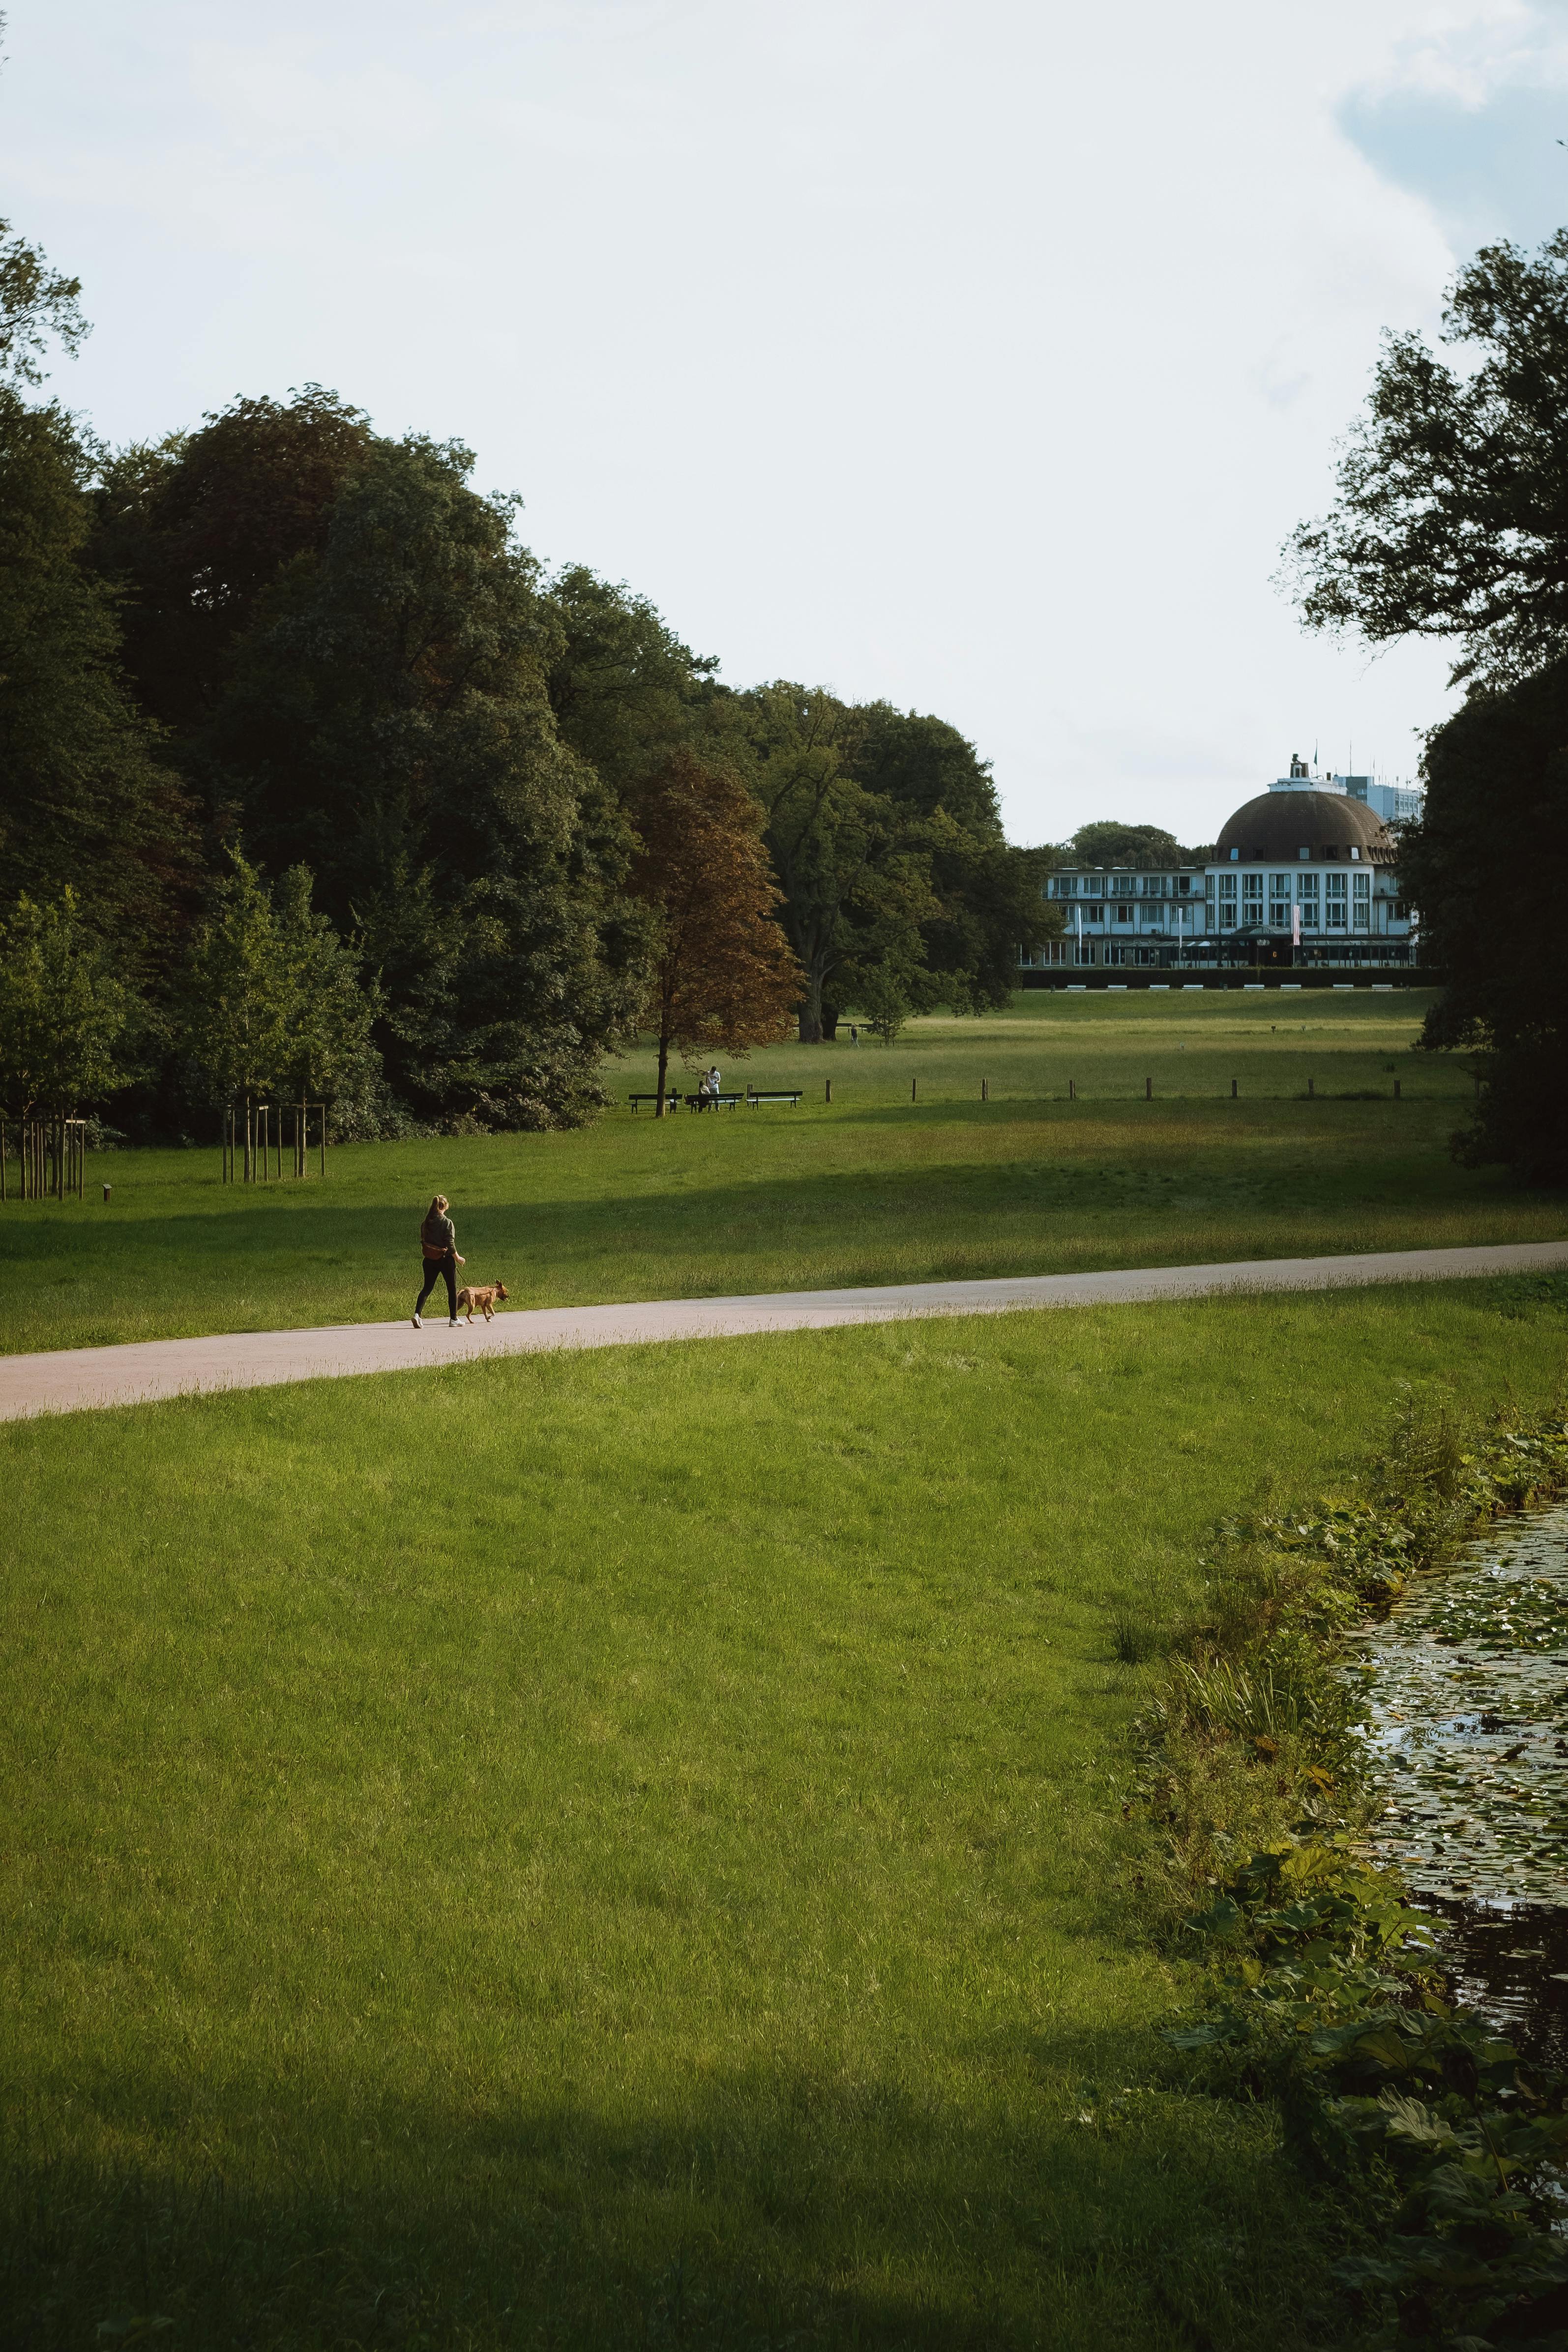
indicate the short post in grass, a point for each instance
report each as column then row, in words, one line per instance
column 1148, row 1089
column 985, row 1089
column 1311, row 1084
column 828, row 1095
column 912, row 1089
column 1396, row 1089
column 1072, row 1090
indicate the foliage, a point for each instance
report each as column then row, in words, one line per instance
column 625, row 692
column 84, row 798
column 195, row 531
column 65, row 1015
column 721, row 971
column 1494, row 832
column 852, row 863
column 386, row 724
column 1449, row 520
column 1332, row 2000
column 1143, row 848
column 36, row 302
column 275, row 1002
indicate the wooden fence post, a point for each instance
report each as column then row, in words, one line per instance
column 1233, row 1085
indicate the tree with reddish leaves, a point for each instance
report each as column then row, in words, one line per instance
column 722, row 974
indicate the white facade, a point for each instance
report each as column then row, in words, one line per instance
column 1325, row 901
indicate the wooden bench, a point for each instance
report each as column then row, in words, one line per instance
column 791, row 1095
column 701, row 1102
column 671, row 1099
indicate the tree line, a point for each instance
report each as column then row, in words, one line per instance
column 312, row 780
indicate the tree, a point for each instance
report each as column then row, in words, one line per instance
column 36, row 302
column 1494, row 835
column 989, row 894
column 852, row 864
column 275, row 1002
column 722, row 974
column 1450, row 519
column 63, row 1011
column 85, row 798
column 624, row 690
column 1143, row 848
column 195, row 531
column 384, row 722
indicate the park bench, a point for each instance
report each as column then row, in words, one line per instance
column 695, row 1102
column 756, row 1095
column 671, row 1099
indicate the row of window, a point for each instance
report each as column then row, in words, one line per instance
column 1287, row 888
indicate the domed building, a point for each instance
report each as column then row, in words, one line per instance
column 1303, row 873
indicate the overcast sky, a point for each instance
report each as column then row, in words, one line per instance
column 974, row 353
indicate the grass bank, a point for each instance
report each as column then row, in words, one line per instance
column 872, row 1189
column 623, row 1849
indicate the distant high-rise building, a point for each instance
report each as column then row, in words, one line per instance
column 1395, row 803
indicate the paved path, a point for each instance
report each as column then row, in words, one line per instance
column 74, row 1379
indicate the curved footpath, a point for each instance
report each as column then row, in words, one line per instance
column 74, row 1380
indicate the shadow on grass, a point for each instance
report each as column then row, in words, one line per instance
column 780, row 2212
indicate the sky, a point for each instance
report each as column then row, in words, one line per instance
column 975, row 354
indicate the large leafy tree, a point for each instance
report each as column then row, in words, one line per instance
column 1451, row 520
column 721, row 972
column 988, row 893
column 1494, row 835
column 196, row 529
column 853, row 865
column 36, row 303
column 1142, row 848
column 85, row 797
column 624, row 690
column 386, row 722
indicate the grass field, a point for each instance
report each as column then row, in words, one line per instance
column 624, row 1850
column 874, row 1189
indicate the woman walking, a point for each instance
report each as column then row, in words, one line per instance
column 438, row 1245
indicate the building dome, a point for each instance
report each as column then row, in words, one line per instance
column 1281, row 828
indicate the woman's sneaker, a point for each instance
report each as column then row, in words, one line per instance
column 419, row 1324
column 453, row 1323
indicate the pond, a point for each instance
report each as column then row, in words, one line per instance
column 1466, row 1684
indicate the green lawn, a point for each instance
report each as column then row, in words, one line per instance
column 872, row 1189
column 624, row 1849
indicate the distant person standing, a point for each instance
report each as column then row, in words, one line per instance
column 854, row 1034
column 714, row 1083
column 438, row 1247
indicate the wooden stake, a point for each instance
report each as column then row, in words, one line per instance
column 1072, row 1090
column 828, row 1095
column 985, row 1089
column 1233, row 1090
column 912, row 1089
column 1148, row 1089
column 1396, row 1089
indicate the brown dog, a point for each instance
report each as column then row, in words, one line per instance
column 482, row 1295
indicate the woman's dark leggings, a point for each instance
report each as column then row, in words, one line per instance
column 435, row 1267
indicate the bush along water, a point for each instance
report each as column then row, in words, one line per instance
column 1446, row 2151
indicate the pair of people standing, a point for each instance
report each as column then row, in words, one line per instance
column 438, row 1247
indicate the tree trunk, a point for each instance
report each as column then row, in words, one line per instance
column 830, row 1023
column 663, row 1072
